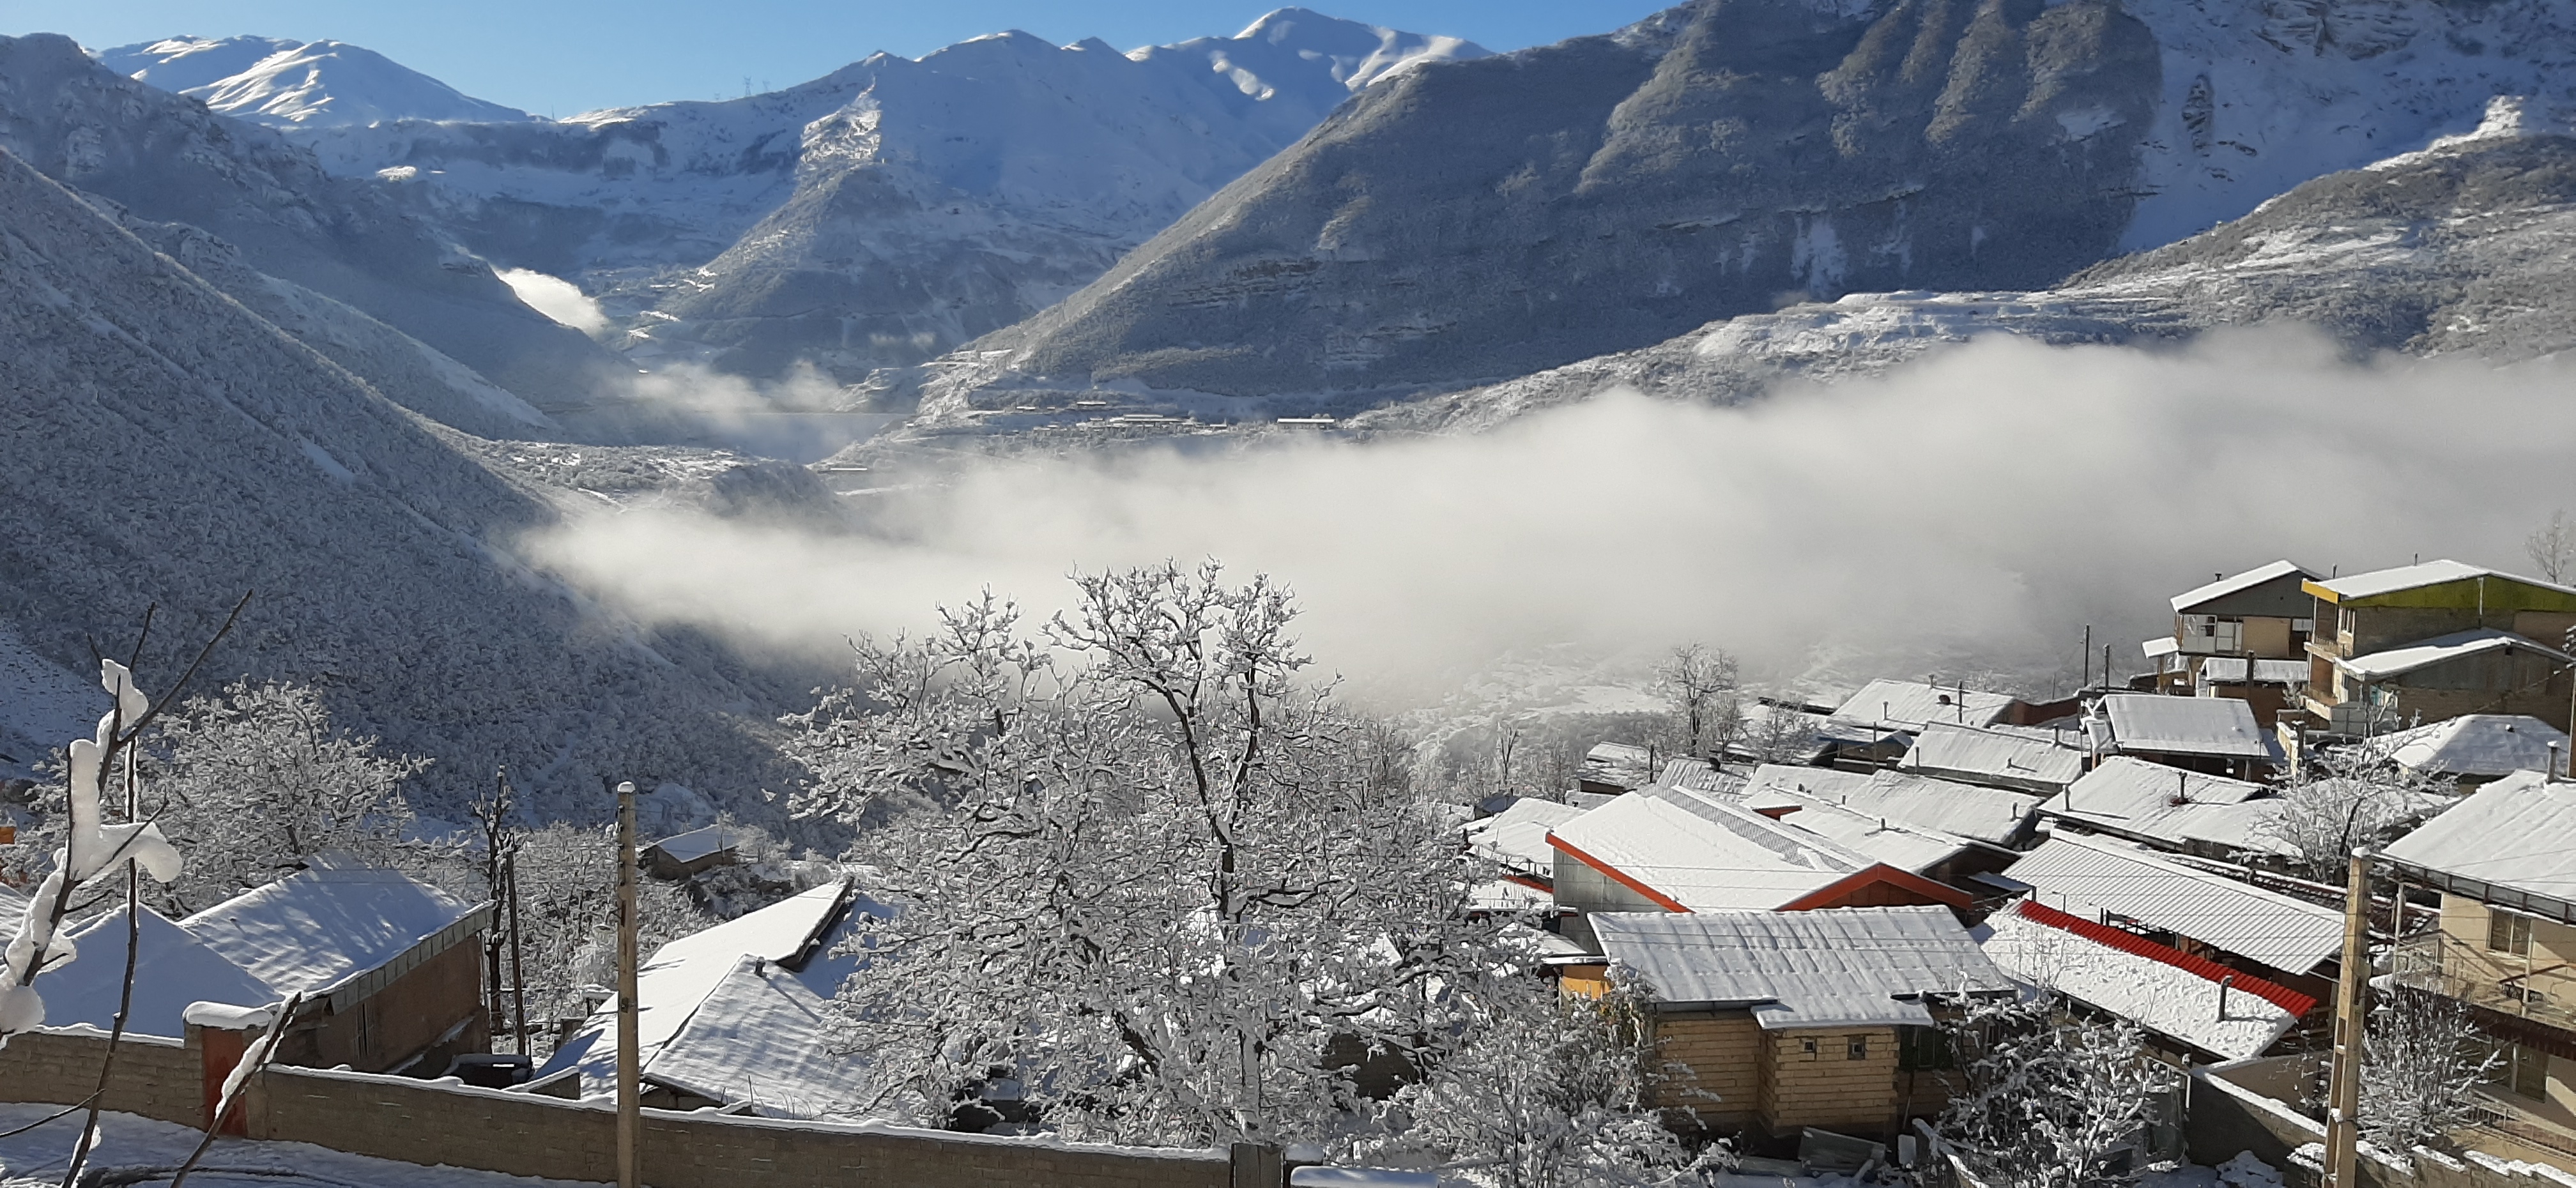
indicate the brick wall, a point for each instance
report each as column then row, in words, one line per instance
column 1830, row 1089
column 432, row 1122
column 1722, row 1055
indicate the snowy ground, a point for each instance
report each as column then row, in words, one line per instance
column 133, row 1144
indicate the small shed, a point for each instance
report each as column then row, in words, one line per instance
column 684, row 854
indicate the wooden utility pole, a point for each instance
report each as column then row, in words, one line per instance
column 2343, row 1076
column 629, row 1070
column 518, row 959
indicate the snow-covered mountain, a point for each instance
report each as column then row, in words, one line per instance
column 297, row 84
column 165, row 159
column 162, row 445
column 891, row 209
column 1480, row 220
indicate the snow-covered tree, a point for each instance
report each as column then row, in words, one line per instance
column 258, row 779
column 2048, row 1100
column 1144, row 870
column 2351, row 797
column 2552, row 548
column 568, row 917
column 2421, row 1056
column 1700, row 682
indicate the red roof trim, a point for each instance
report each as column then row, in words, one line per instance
column 2129, row 942
column 1533, row 882
column 1881, row 873
column 1667, row 902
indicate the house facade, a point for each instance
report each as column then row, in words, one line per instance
column 2424, row 643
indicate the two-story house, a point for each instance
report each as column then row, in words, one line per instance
column 2424, row 643
column 2504, row 861
column 2265, row 613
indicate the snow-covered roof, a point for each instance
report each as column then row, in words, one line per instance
column 1990, row 815
column 2477, row 745
column 1994, row 758
column 1834, row 967
column 172, row 969
column 1877, row 838
column 698, row 843
column 760, row 1037
column 1623, row 764
column 2410, row 577
column 2167, row 805
column 2088, row 876
column 2517, row 834
column 797, row 933
column 1703, row 855
column 2441, row 649
column 1771, row 782
column 329, row 925
column 2242, row 582
column 1908, row 705
column 2162, row 645
column 2219, row 726
column 2155, row 986
column 1517, row 836
column 1508, row 896
column 1699, row 775
column 2231, row 669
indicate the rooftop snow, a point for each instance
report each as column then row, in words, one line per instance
column 1900, row 846
column 2087, row 877
column 2162, row 645
column 2441, row 649
column 1699, row 775
column 2478, row 745
column 1517, row 836
column 171, row 970
column 2231, row 669
column 2138, row 799
column 1703, row 855
column 2411, row 577
column 2183, row 602
column 1908, row 705
column 1833, row 967
column 2223, row 726
column 1988, row 757
column 2157, row 987
column 326, row 925
column 698, row 843
column 1990, row 815
column 759, row 1037
column 2518, row 832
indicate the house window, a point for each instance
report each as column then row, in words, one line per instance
column 1806, row 1047
column 1856, row 1048
column 1920, row 1048
column 2508, row 932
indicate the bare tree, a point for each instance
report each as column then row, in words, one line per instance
column 2047, row 1100
column 2347, row 798
column 2421, row 1057
column 1700, row 683
column 2553, row 548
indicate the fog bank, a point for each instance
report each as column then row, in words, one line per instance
column 1967, row 514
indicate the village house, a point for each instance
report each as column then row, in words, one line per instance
column 1611, row 768
column 2200, row 913
column 2168, row 808
column 2007, row 758
column 2208, row 734
column 1784, row 1020
column 1906, row 707
column 2267, row 687
column 1515, row 841
column 695, row 852
column 2504, row 863
column 2425, row 643
column 1991, row 817
column 2477, row 748
column 2265, row 613
column 1664, row 849
column 2198, row 1010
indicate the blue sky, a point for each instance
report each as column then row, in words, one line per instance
column 562, row 56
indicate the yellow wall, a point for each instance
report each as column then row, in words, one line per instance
column 1721, row 1055
column 1829, row 1089
column 2475, row 973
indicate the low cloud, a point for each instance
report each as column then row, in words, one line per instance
column 556, row 298
column 1966, row 515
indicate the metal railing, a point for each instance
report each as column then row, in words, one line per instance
column 2531, row 985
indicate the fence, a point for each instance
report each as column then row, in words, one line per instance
column 442, row 1122
column 2248, row 1106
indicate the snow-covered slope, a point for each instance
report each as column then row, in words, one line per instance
column 1480, row 220
column 161, row 445
column 168, row 159
column 2467, row 246
column 292, row 84
column 885, row 211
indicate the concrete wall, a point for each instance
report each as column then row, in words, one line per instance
column 441, row 1122
column 2231, row 1109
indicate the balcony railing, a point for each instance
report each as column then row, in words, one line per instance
column 2538, row 988
column 2500, row 1117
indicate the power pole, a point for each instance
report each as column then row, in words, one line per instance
column 518, row 959
column 2343, row 1089
column 629, row 1070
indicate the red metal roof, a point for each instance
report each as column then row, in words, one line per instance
column 2130, row 942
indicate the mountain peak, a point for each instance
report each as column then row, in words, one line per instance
column 297, row 84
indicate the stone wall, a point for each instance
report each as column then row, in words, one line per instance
column 443, row 1122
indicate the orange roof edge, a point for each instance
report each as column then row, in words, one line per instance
column 1616, row 875
column 1881, row 873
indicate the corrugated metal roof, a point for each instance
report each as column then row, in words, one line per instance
column 1898, row 845
column 1995, row 758
column 2165, row 992
column 2518, row 832
column 1981, row 814
column 2268, row 672
column 2220, row 726
column 2442, row 649
column 1908, row 705
column 2137, row 799
column 1836, row 967
column 1707, row 856
column 2088, row 876
column 2477, row 745
column 2247, row 580
column 2410, row 577
column 1699, row 775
